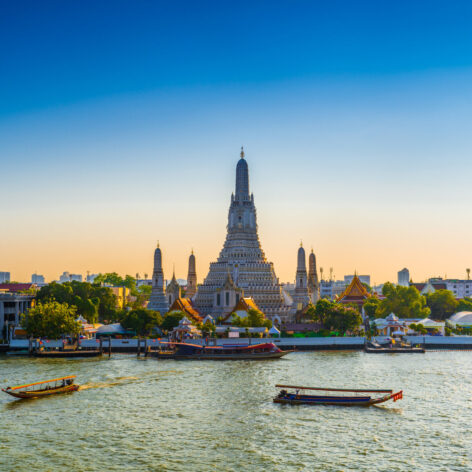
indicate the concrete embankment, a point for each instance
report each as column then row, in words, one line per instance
column 299, row 344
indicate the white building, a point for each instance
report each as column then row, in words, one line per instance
column 331, row 288
column 37, row 279
column 365, row 279
column 4, row 277
column 460, row 288
column 67, row 277
column 403, row 277
column 91, row 278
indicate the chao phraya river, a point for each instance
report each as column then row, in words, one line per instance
column 144, row 414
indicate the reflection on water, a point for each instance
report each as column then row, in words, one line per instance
column 146, row 414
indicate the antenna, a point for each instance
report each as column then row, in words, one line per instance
column 468, row 273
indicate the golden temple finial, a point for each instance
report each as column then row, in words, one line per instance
column 301, row 243
column 242, row 152
column 192, row 251
column 158, row 243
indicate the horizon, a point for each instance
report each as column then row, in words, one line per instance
column 120, row 127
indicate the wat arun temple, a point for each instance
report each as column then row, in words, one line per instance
column 241, row 272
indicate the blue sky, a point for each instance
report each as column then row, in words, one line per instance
column 123, row 120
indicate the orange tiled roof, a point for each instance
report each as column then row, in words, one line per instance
column 185, row 305
column 355, row 290
column 244, row 304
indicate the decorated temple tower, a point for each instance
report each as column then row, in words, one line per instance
column 158, row 301
column 173, row 290
column 301, row 297
column 191, row 277
column 243, row 259
column 313, row 283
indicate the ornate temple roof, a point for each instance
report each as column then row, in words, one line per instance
column 354, row 292
column 246, row 303
column 185, row 305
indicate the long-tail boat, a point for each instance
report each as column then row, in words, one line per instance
column 216, row 353
column 44, row 388
column 342, row 397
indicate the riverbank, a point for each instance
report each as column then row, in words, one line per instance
column 299, row 344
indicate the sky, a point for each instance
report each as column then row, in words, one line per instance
column 121, row 124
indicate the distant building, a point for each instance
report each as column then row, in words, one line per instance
column 332, row 288
column 426, row 288
column 140, row 282
column 460, row 288
column 403, row 277
column 365, row 279
column 91, row 278
column 4, row 277
column 37, row 279
column 67, row 277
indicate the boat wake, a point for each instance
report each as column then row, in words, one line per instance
column 118, row 381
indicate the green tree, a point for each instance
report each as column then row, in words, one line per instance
column 92, row 301
column 336, row 316
column 442, row 304
column 405, row 302
column 322, row 311
column 418, row 328
column 343, row 318
column 51, row 319
column 208, row 328
column 110, row 278
column 254, row 319
column 142, row 294
column 371, row 305
column 171, row 320
column 141, row 321
column 464, row 305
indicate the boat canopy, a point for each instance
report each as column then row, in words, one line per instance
column 334, row 389
column 43, row 382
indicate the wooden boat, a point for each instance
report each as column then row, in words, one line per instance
column 376, row 348
column 216, row 353
column 44, row 388
column 342, row 397
column 66, row 353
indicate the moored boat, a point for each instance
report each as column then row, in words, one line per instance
column 196, row 352
column 66, row 353
column 372, row 347
column 44, row 388
column 342, row 397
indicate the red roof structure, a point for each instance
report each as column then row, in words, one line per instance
column 16, row 287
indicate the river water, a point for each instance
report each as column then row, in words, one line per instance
column 150, row 415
